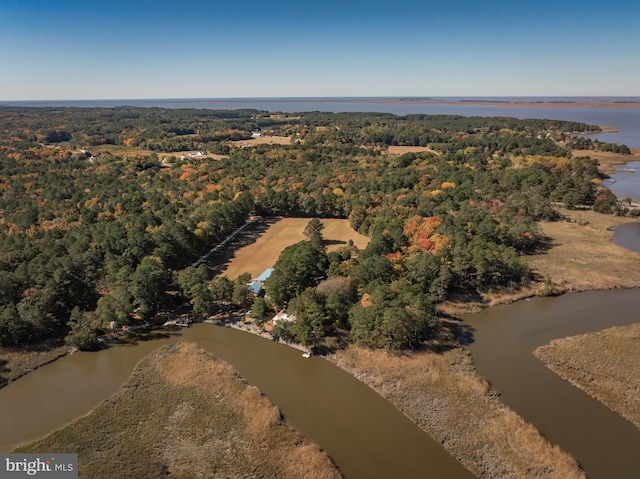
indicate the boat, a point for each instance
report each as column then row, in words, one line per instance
column 306, row 355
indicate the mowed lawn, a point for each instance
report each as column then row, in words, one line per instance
column 263, row 253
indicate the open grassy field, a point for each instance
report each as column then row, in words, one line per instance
column 182, row 413
column 581, row 255
column 259, row 246
column 400, row 150
column 603, row 364
column 262, row 140
column 446, row 398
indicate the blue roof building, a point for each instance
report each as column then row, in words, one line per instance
column 265, row 275
column 255, row 287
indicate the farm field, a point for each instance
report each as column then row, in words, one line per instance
column 401, row 150
column 264, row 140
column 259, row 246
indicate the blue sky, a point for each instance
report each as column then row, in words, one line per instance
column 69, row 49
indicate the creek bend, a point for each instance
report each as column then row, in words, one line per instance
column 364, row 434
column 504, row 338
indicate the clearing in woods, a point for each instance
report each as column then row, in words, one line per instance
column 259, row 245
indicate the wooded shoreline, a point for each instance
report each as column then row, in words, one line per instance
column 512, row 103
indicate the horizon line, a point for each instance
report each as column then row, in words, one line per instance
column 339, row 98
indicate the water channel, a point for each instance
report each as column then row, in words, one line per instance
column 364, row 434
column 504, row 338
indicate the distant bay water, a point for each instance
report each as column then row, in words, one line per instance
column 625, row 120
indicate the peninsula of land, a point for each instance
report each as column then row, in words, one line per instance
column 110, row 215
column 515, row 103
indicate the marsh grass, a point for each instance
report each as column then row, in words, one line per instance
column 608, row 160
column 445, row 397
column 579, row 256
column 185, row 414
column 15, row 363
column 603, row 364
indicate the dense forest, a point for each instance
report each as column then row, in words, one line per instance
column 102, row 214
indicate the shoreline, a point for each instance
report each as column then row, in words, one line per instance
column 432, row 411
column 431, row 405
column 608, row 160
column 602, row 364
column 577, row 104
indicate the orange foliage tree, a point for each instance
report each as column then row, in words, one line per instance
column 420, row 231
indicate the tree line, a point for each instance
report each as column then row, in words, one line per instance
column 101, row 232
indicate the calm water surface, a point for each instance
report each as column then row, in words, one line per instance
column 363, row 433
column 604, row 443
column 627, row 120
column 628, row 236
column 626, row 181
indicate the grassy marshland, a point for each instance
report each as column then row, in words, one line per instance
column 445, row 397
column 603, row 364
column 184, row 414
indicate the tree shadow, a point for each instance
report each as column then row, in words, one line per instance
column 465, row 296
column 450, row 333
column 545, row 244
column 334, row 242
column 336, row 341
column 135, row 337
column 221, row 259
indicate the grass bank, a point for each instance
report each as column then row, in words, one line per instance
column 579, row 256
column 603, row 364
column 607, row 159
column 446, row 398
column 185, row 414
column 15, row 363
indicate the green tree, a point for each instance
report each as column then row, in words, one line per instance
column 193, row 283
column 240, row 295
column 298, row 267
column 13, row 330
column 313, row 232
column 308, row 328
column 221, row 289
column 147, row 283
column 309, row 309
column 392, row 317
column 201, row 299
column 258, row 310
column 82, row 334
column 314, row 227
column 115, row 306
